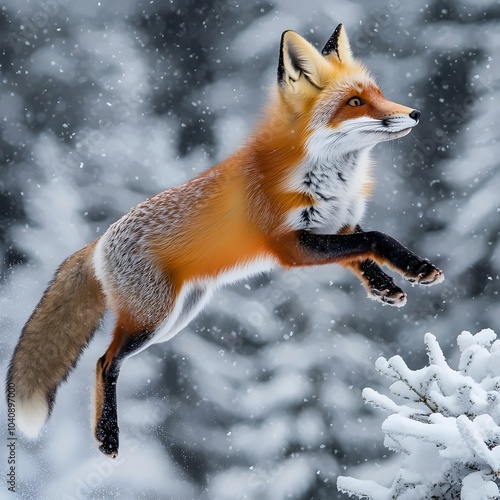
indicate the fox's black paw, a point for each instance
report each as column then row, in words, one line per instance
column 426, row 274
column 381, row 286
column 107, row 436
column 393, row 296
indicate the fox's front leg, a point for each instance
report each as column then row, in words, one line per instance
column 303, row 248
column 379, row 285
column 375, row 246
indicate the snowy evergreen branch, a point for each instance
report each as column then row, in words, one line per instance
column 445, row 423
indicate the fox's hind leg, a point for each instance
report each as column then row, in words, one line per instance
column 127, row 340
column 129, row 337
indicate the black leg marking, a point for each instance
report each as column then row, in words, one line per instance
column 381, row 287
column 393, row 253
column 107, row 430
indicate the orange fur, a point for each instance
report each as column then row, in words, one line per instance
column 291, row 196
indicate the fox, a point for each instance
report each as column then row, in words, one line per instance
column 293, row 195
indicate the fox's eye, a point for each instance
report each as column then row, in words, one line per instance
column 355, row 101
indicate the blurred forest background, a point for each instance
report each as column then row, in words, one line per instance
column 103, row 104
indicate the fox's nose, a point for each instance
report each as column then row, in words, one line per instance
column 415, row 114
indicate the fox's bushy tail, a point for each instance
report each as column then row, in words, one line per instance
column 53, row 338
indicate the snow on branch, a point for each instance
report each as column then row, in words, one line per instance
column 444, row 422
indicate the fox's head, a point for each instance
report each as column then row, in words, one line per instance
column 337, row 94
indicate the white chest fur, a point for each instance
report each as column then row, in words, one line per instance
column 337, row 182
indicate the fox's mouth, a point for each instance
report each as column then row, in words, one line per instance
column 400, row 133
column 389, row 135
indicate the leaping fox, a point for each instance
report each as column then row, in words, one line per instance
column 293, row 195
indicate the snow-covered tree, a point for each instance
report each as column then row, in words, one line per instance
column 444, row 422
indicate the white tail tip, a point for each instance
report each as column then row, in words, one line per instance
column 31, row 414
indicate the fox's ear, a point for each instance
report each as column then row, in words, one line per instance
column 301, row 67
column 338, row 46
